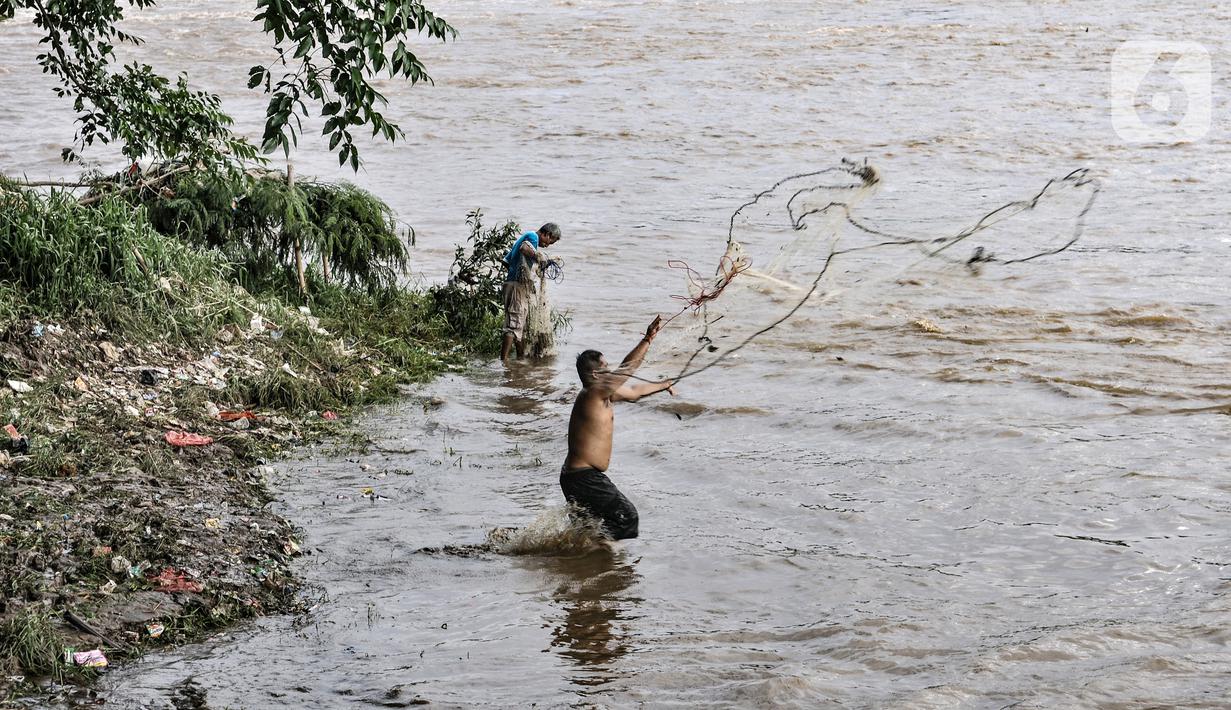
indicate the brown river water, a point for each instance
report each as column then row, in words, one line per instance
column 1022, row 506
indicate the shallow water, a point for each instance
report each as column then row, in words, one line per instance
column 1024, row 506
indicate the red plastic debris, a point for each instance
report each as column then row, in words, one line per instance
column 181, row 438
column 330, row 415
column 232, row 416
column 171, row 581
column 12, row 431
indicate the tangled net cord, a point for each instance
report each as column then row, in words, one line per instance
column 932, row 247
column 553, row 270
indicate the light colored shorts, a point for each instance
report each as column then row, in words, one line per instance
column 516, row 308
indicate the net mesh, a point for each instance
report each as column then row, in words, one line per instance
column 540, row 326
column 809, row 236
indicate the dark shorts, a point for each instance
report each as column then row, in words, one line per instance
column 590, row 490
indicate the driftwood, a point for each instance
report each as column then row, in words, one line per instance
column 80, row 623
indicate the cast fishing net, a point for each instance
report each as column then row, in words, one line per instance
column 809, row 237
column 540, row 325
column 531, row 288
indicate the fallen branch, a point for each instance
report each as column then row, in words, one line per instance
column 80, row 623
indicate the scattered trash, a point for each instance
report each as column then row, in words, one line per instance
column 148, row 378
column 233, row 416
column 171, row 581
column 213, row 524
column 18, row 443
column 90, row 659
column 120, row 563
column 149, row 396
column 181, row 438
column 329, row 415
column 275, row 334
column 109, row 351
column 139, row 569
column 155, row 630
column 36, row 331
column 80, row 385
column 108, row 588
column 286, row 367
column 368, row 492
column 257, row 324
column 19, row 387
column 102, row 550
column 239, row 424
column 291, row 547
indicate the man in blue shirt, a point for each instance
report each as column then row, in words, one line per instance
column 519, row 285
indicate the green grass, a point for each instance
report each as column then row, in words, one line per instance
column 106, row 263
column 30, row 637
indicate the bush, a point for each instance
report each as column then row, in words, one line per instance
column 256, row 221
column 470, row 304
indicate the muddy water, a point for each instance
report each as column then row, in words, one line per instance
column 1024, row 506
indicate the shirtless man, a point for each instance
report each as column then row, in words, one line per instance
column 582, row 478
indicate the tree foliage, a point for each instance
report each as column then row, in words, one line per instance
column 257, row 221
column 328, row 51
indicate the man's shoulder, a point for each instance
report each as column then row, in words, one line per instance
column 592, row 396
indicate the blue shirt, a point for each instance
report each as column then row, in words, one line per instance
column 511, row 259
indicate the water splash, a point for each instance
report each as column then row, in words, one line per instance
column 560, row 530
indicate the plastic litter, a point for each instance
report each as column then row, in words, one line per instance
column 329, row 415
column 18, row 443
column 148, row 378
column 171, row 581
column 181, row 438
column 233, row 416
column 19, row 387
column 213, row 524
column 155, row 630
column 90, row 659
column 36, row 331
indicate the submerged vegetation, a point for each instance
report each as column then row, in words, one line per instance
column 130, row 315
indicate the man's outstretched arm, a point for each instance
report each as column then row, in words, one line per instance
column 610, row 382
column 632, row 393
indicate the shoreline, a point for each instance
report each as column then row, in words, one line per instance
column 180, row 542
column 154, row 356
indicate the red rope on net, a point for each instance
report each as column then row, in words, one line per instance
column 728, row 269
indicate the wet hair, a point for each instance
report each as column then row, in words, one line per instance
column 551, row 229
column 587, row 363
